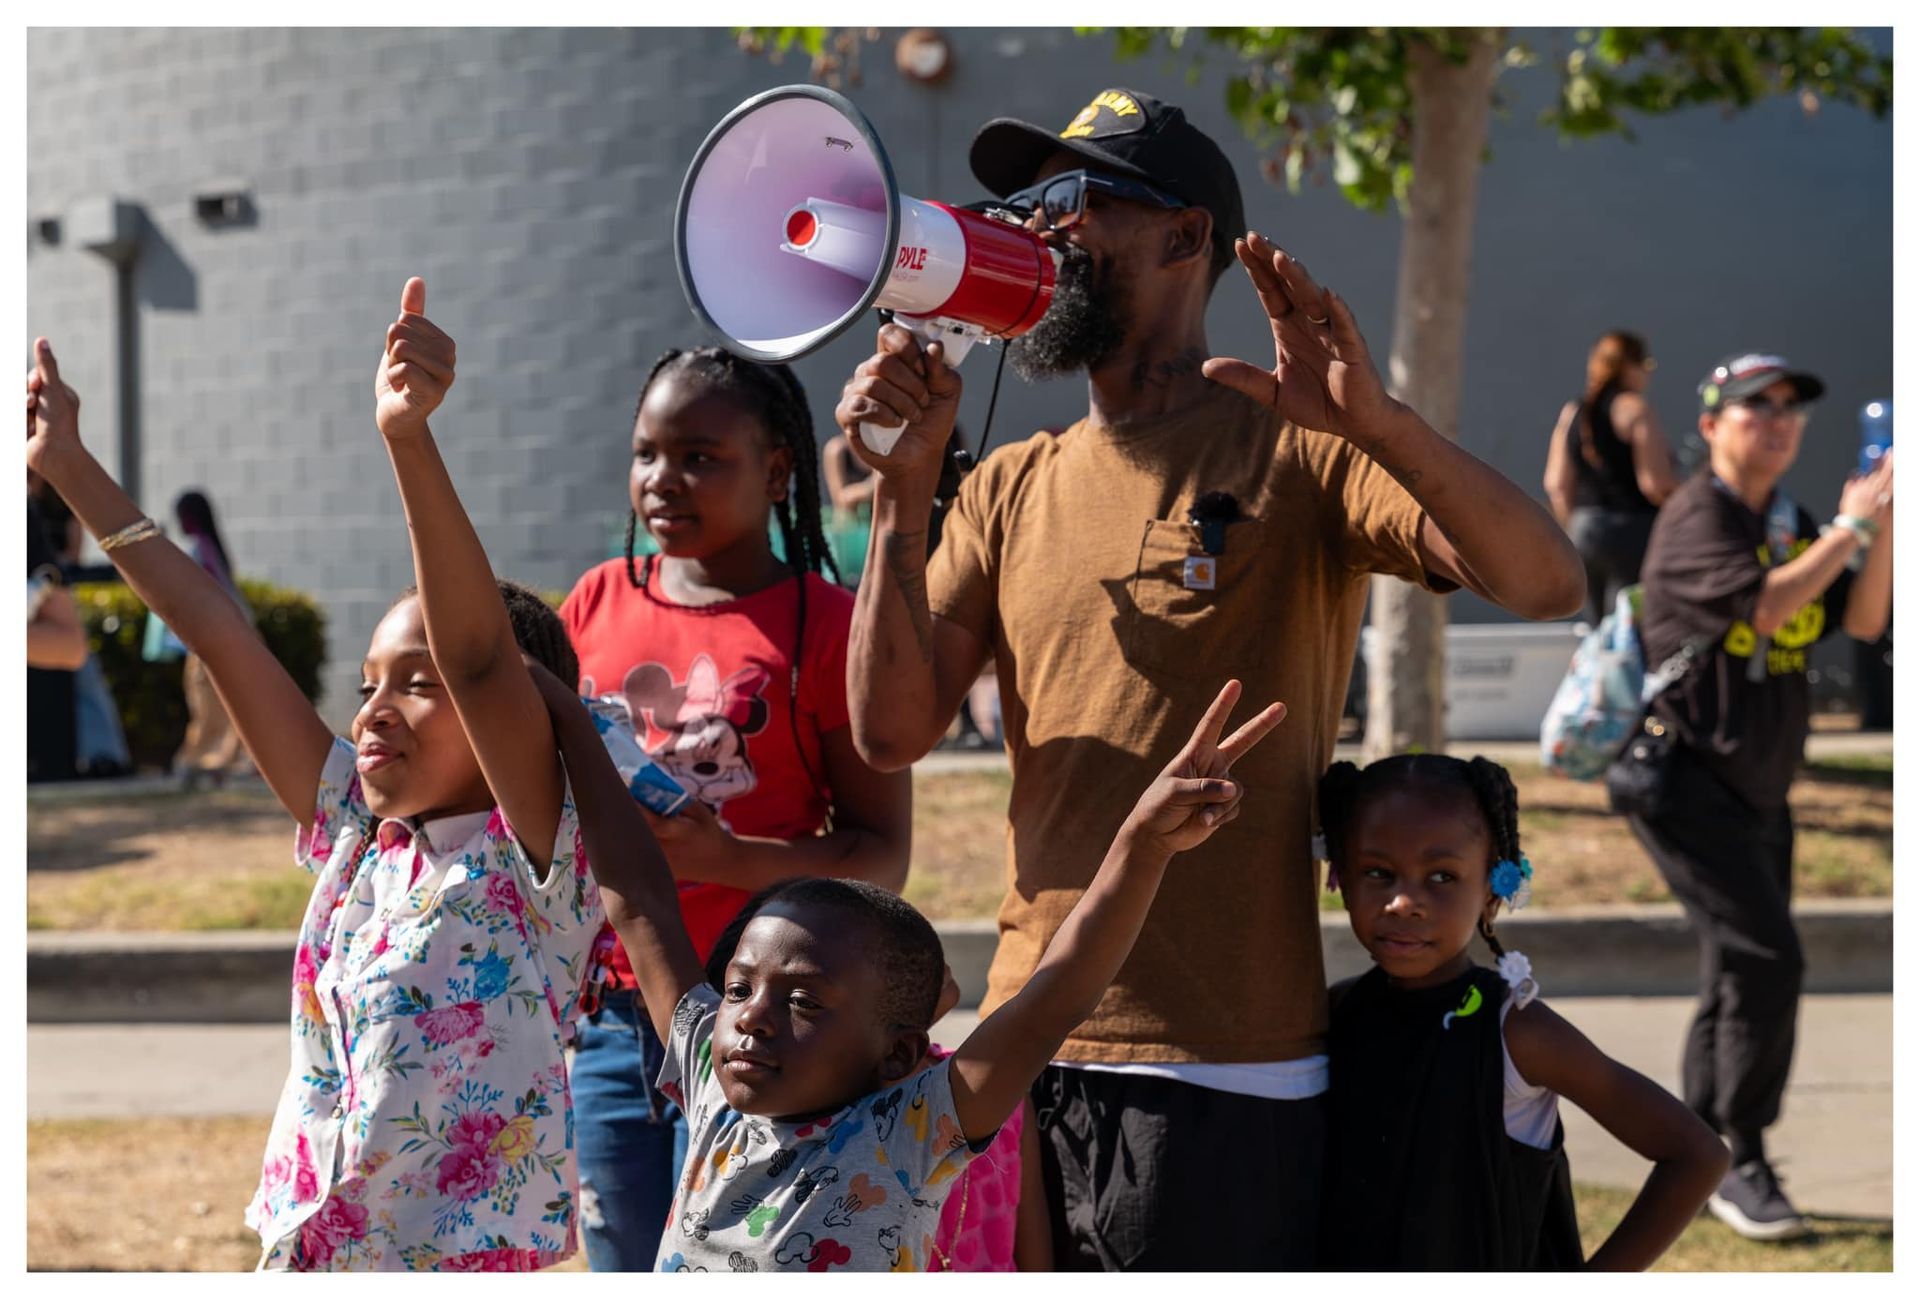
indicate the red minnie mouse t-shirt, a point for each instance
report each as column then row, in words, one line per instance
column 710, row 689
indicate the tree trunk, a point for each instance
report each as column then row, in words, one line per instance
column 1406, row 673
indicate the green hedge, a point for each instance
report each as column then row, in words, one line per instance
column 153, row 709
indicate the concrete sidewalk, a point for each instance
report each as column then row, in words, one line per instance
column 1635, row 951
column 1834, row 1143
column 1820, row 745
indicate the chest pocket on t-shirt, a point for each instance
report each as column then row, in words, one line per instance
column 1180, row 626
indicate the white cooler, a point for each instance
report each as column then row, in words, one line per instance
column 1500, row 676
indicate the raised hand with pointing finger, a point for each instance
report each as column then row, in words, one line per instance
column 415, row 370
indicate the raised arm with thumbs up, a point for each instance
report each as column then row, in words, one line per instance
column 469, row 634
column 415, row 371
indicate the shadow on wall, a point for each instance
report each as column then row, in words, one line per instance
column 162, row 278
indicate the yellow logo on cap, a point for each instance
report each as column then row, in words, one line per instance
column 1120, row 105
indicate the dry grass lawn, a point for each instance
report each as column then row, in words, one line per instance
column 223, row 860
column 165, row 1195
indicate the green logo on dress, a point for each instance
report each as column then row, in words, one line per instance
column 1468, row 1005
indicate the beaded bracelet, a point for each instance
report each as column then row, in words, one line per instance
column 139, row 530
column 1863, row 530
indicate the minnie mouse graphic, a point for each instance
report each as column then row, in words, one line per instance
column 705, row 721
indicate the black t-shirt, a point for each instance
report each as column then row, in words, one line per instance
column 1706, row 562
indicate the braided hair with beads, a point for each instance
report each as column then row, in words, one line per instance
column 1345, row 788
column 773, row 394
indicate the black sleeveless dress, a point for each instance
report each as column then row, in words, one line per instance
column 1612, row 485
column 1421, row 1174
column 1612, row 519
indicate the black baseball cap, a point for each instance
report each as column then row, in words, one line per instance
column 1125, row 133
column 1750, row 372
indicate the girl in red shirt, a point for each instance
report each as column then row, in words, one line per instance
column 732, row 663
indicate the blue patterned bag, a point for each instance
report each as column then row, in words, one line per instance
column 1603, row 698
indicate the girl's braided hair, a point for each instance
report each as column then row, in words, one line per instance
column 773, row 394
column 1345, row 788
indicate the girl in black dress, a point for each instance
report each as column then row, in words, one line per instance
column 1445, row 1149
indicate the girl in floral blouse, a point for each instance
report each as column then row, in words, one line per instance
column 425, row 1120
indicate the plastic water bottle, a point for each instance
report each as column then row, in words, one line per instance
column 646, row 780
column 1876, row 433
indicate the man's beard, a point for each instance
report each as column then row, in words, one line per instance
column 1082, row 328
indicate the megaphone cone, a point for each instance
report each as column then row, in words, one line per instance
column 790, row 226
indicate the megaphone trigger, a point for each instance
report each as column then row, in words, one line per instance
column 955, row 337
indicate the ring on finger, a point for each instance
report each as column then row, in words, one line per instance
column 1319, row 320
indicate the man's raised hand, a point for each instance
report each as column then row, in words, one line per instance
column 1192, row 797
column 1323, row 377
column 415, row 370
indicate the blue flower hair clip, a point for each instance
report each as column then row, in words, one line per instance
column 1512, row 882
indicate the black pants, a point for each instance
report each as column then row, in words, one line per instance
column 1148, row 1174
column 1731, row 867
column 1612, row 545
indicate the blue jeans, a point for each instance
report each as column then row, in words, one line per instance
column 98, row 736
column 632, row 1140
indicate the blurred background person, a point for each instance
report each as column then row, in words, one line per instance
column 849, row 516
column 849, row 483
column 1737, row 566
column 100, row 743
column 1609, row 467
column 211, row 747
column 56, row 645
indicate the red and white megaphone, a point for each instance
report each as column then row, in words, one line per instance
column 790, row 226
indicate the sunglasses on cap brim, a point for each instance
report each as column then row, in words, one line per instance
column 1061, row 200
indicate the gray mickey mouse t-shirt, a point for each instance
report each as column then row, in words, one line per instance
column 859, row 1190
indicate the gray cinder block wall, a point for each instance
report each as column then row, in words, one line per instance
column 530, row 176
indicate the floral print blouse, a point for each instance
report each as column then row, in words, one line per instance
column 426, row 1121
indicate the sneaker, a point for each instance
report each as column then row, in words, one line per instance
column 1751, row 1202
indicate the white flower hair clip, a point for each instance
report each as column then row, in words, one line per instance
column 1517, row 970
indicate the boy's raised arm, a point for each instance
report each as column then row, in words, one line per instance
column 641, row 898
column 1181, row 809
column 279, row 725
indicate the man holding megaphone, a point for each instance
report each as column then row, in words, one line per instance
column 1207, row 516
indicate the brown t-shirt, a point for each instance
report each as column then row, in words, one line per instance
column 1068, row 555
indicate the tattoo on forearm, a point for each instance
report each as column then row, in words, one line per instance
column 1161, row 373
column 1407, row 478
column 906, row 554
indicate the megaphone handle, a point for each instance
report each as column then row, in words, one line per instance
column 880, row 438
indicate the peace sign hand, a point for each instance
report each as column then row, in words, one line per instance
column 1323, row 376
column 1192, row 797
